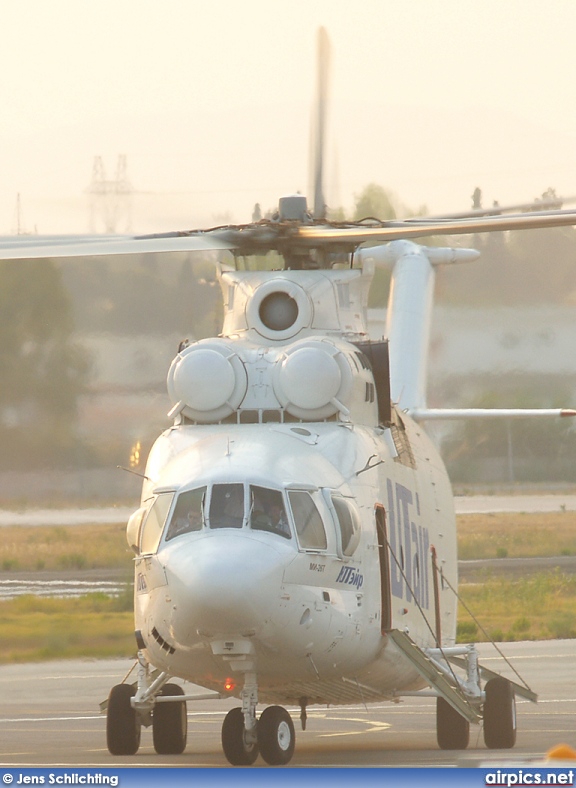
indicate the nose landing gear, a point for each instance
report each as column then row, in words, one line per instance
column 274, row 740
column 243, row 736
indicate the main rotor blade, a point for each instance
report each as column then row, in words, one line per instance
column 319, row 211
column 26, row 247
column 545, row 204
column 418, row 229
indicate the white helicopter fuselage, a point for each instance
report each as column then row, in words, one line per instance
column 282, row 410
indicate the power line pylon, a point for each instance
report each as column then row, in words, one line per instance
column 110, row 199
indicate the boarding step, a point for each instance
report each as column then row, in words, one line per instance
column 447, row 687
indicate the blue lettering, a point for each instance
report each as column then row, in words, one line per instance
column 424, row 551
column 351, row 576
column 416, row 569
column 404, row 499
column 396, row 577
column 409, row 545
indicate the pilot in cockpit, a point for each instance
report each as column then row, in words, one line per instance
column 278, row 519
column 188, row 513
column 268, row 512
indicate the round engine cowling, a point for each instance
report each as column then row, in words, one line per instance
column 207, row 381
column 313, row 380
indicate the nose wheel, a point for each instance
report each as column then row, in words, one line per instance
column 276, row 737
column 240, row 748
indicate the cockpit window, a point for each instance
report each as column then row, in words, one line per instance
column 188, row 514
column 267, row 511
column 227, row 506
column 154, row 523
column 348, row 522
column 309, row 525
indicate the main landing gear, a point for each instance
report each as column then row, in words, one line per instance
column 154, row 703
column 461, row 701
column 124, row 723
column 499, row 716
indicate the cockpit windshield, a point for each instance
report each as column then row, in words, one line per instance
column 226, row 506
column 188, row 514
column 267, row 511
column 308, row 520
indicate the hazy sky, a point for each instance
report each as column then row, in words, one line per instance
column 210, row 102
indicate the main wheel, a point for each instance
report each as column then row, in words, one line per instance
column 122, row 725
column 499, row 714
column 276, row 737
column 452, row 729
column 170, row 723
column 236, row 749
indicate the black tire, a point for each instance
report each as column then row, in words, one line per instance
column 122, row 724
column 170, row 723
column 452, row 729
column 276, row 737
column 499, row 714
column 237, row 752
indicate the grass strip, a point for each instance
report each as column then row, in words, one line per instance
column 36, row 629
column 61, row 548
column 516, row 535
column 541, row 606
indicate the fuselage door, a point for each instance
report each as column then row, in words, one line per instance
column 384, row 556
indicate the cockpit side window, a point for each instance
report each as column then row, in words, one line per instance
column 226, row 506
column 154, row 523
column 267, row 511
column 348, row 522
column 309, row 525
column 188, row 514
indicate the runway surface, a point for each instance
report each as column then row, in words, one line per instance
column 480, row 504
column 50, row 717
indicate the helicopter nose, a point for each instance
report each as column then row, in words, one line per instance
column 224, row 582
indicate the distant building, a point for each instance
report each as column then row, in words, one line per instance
column 482, row 349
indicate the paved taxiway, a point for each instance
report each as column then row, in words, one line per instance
column 49, row 717
column 464, row 504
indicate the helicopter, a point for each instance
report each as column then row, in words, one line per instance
column 295, row 542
